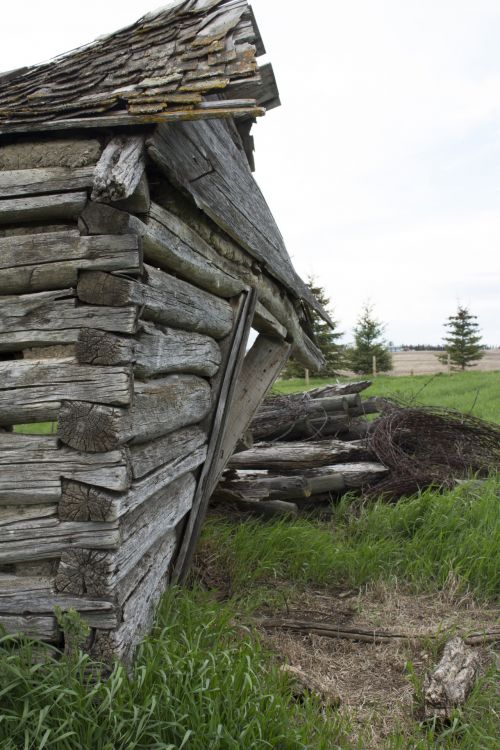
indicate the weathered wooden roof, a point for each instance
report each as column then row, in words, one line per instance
column 160, row 69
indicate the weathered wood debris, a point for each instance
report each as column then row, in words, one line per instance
column 311, row 449
column 136, row 254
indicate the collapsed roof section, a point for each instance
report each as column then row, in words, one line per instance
column 160, row 69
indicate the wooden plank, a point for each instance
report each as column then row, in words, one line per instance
column 262, row 365
column 40, row 181
column 85, row 571
column 42, row 208
column 81, row 502
column 159, row 407
column 31, row 468
column 156, row 351
column 225, row 387
column 127, row 120
column 163, row 299
column 41, row 262
column 32, row 390
column 53, row 317
column 120, row 168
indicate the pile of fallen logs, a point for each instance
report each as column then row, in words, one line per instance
column 311, row 448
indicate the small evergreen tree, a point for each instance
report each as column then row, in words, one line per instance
column 368, row 344
column 462, row 343
column 326, row 338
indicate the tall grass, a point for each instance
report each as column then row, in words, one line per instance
column 423, row 540
column 196, row 684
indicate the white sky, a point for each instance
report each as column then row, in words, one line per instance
column 381, row 166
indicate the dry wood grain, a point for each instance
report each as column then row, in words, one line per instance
column 155, row 351
column 32, row 390
column 159, row 407
column 163, row 299
column 41, row 262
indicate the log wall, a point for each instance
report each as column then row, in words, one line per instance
column 120, row 325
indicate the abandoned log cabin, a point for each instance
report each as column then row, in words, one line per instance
column 137, row 252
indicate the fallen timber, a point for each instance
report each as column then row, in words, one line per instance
column 284, row 475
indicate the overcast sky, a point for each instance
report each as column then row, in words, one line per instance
column 382, row 166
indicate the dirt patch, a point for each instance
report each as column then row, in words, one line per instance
column 373, row 680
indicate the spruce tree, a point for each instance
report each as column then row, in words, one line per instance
column 326, row 338
column 368, row 344
column 462, row 343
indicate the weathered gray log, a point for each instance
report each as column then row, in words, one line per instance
column 120, row 168
column 42, row 208
column 47, row 318
column 261, row 484
column 279, row 415
column 159, row 407
column 138, row 611
column 32, row 390
column 70, row 153
column 81, row 502
column 315, row 428
column 39, row 262
column 32, row 467
column 170, row 244
column 140, row 200
column 263, row 508
column 155, row 351
column 40, row 181
column 149, row 456
column 164, row 300
column 233, row 272
column 40, row 627
column 41, row 601
column 354, row 475
column 300, row 455
column 85, row 571
column 334, row 389
column 267, row 324
column 451, row 682
column 11, row 514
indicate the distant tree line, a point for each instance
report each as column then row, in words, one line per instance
column 461, row 348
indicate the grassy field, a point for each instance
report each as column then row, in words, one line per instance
column 209, row 676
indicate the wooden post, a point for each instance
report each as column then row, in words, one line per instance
column 374, row 366
column 448, row 363
column 306, row 376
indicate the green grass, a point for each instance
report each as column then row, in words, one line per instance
column 36, row 428
column 422, row 541
column 476, row 392
column 196, row 684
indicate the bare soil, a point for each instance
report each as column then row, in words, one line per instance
column 372, row 680
column 427, row 363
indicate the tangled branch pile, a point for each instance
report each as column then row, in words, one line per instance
column 430, row 446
